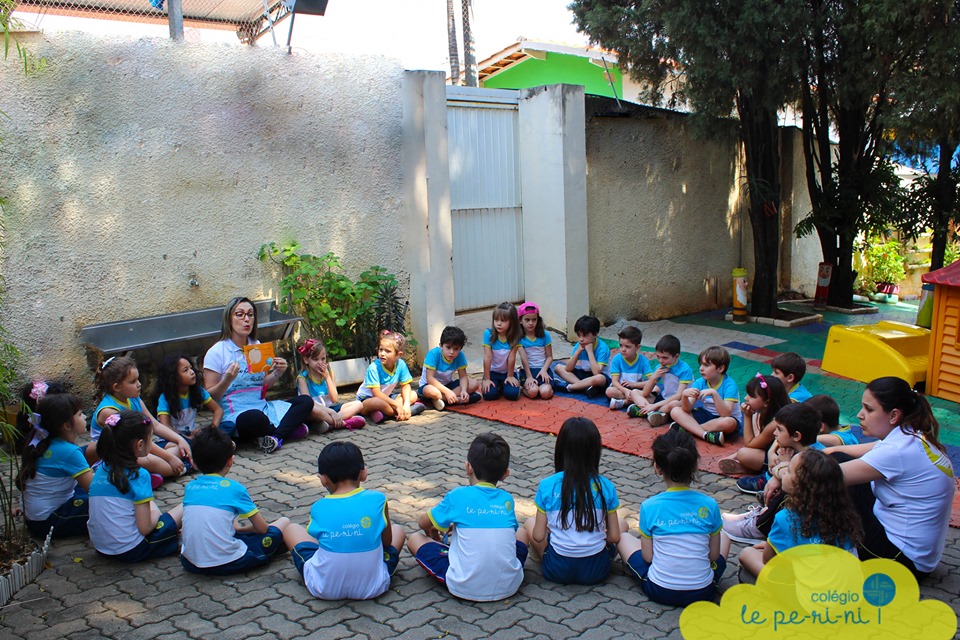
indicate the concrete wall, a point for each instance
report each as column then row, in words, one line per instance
column 801, row 256
column 131, row 165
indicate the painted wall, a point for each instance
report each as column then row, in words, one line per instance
column 557, row 68
column 801, row 256
column 131, row 165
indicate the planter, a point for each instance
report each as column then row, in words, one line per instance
column 350, row 371
column 886, row 292
column 21, row 575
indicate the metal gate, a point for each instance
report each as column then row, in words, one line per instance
column 485, row 199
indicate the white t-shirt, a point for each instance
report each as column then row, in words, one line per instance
column 915, row 495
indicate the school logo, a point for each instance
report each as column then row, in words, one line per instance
column 160, row 525
column 703, row 512
column 267, row 542
column 224, row 483
column 78, row 502
column 508, row 505
column 365, row 522
column 48, row 454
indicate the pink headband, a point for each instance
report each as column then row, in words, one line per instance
column 307, row 347
column 528, row 307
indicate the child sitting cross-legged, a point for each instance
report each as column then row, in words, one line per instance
column 586, row 370
column 711, row 406
column 349, row 550
column 484, row 559
column 765, row 397
column 629, row 372
column 666, row 384
column 444, row 379
column 213, row 541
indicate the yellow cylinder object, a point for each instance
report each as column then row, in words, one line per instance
column 740, row 295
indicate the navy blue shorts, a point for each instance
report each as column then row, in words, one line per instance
column 70, row 518
column 453, row 384
column 433, row 556
column 306, row 550
column 162, row 542
column 534, row 372
column 702, row 416
column 261, row 547
column 587, row 570
column 637, row 567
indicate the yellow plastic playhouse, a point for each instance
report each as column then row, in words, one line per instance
column 869, row 351
column 943, row 373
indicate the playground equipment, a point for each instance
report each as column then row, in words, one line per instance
column 865, row 352
column 944, row 372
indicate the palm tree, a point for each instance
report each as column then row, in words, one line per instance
column 452, row 45
column 469, row 46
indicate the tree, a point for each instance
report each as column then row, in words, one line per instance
column 723, row 57
column 469, row 46
column 452, row 48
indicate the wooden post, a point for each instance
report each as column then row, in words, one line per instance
column 175, row 19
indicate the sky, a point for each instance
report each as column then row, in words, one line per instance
column 415, row 31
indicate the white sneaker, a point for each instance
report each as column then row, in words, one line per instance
column 438, row 404
column 269, row 444
column 657, row 418
column 742, row 527
column 616, row 404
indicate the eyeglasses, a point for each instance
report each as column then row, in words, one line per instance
column 240, row 315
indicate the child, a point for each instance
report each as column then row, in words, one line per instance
column 317, row 381
column 119, row 382
column 790, row 367
column 765, row 397
column 831, row 433
column 125, row 524
column 486, row 552
column 576, row 528
column 30, row 395
column 500, row 345
column 677, row 559
column 214, row 542
column 817, row 511
column 180, row 394
column 54, row 476
column 586, row 368
column 536, row 353
column 337, row 557
column 711, row 406
column 379, row 394
column 666, row 384
column 629, row 371
column 444, row 379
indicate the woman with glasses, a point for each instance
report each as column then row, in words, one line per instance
column 241, row 393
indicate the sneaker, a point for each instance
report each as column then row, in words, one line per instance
column 714, row 437
column 417, row 408
column 269, row 444
column 634, row 411
column 742, row 527
column 616, row 404
column 752, row 484
column 593, row 391
column 730, row 466
column 319, row 427
column 300, row 432
column 675, row 427
column 354, row 423
column 475, row 397
column 438, row 404
column 376, row 417
column 657, row 418
column 559, row 385
column 155, row 480
column 187, row 467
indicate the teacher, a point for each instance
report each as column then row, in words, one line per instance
column 247, row 415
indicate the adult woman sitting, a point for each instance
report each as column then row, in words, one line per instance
column 247, row 415
column 903, row 484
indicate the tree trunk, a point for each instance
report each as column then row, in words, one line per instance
column 469, row 46
column 452, row 48
column 945, row 196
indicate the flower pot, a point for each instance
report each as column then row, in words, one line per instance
column 22, row 574
column 350, row 371
column 888, row 288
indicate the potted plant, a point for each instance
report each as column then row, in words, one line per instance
column 347, row 315
column 885, row 269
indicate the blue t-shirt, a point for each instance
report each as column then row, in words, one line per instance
column 315, row 389
column 501, row 351
column 443, row 371
column 211, row 503
column 188, row 415
column 536, row 349
column 636, row 371
column 678, row 373
column 601, row 352
column 564, row 537
column 785, row 533
column 728, row 392
column 387, row 381
column 846, row 435
column 55, row 481
column 113, row 523
column 799, row 393
column 109, row 402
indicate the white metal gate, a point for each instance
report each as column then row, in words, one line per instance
column 485, row 199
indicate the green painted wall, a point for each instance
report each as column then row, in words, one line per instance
column 558, row 68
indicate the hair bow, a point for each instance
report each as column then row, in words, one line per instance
column 307, row 347
column 112, row 420
column 39, row 433
column 761, row 380
column 38, row 390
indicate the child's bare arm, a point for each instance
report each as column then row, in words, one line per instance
column 426, row 524
column 217, row 412
column 302, row 388
column 487, row 361
column 571, row 363
column 512, row 367
column 386, row 536
column 545, row 369
column 332, row 385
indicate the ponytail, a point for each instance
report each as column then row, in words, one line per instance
column 676, row 454
column 894, row 393
column 115, row 446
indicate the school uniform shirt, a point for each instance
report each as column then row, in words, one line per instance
column 846, row 435
column 109, row 402
column 564, row 537
column 785, row 534
column 211, row 504
column 316, row 390
column 113, row 523
column 501, row 350
column 188, row 415
column 349, row 563
column 799, row 393
column 727, row 389
column 245, row 392
column 636, row 371
column 387, row 381
column 56, row 479
column 536, row 349
column 680, row 521
column 677, row 374
column 483, row 548
column 601, row 352
column 443, row 371
column 914, row 496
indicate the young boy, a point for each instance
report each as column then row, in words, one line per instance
column 214, row 542
column 444, row 379
column 666, row 384
column 586, row 368
column 710, row 408
column 831, row 433
column 629, row 371
column 486, row 552
column 795, row 429
column 790, row 367
column 349, row 549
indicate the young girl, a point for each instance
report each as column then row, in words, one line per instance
column 765, row 396
column 817, row 511
column 386, row 390
column 677, row 560
column 500, row 345
column 180, row 394
column 119, row 382
column 536, row 353
column 125, row 524
column 54, row 476
column 576, row 528
column 317, row 381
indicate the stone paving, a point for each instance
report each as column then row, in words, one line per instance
column 83, row 596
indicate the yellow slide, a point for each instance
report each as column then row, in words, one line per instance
column 869, row 351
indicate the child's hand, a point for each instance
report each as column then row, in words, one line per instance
column 183, row 448
column 512, row 381
column 746, row 409
column 656, row 375
column 403, row 411
column 531, row 384
column 544, row 376
column 324, row 370
column 337, row 421
column 486, row 386
column 449, row 397
column 462, row 396
column 176, row 464
column 691, row 393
